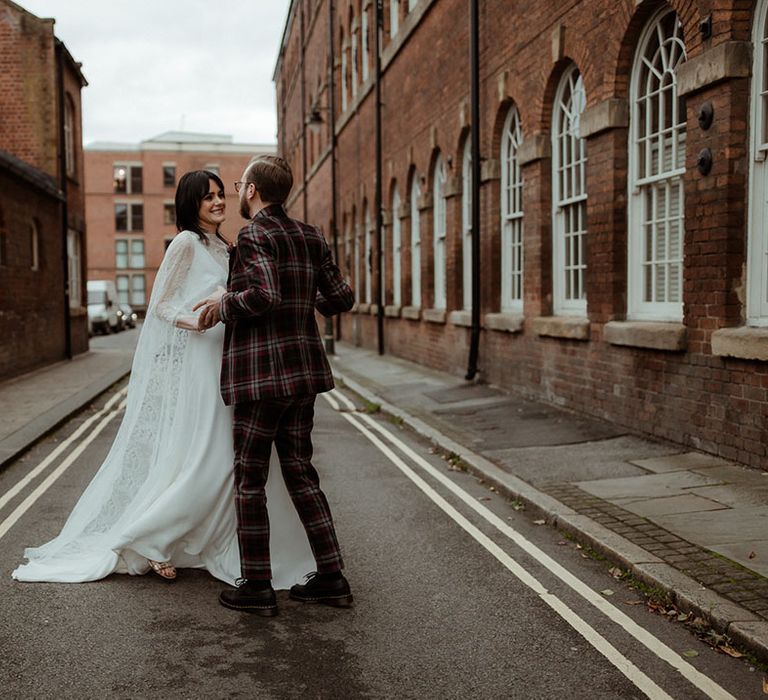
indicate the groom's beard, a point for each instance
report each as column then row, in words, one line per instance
column 245, row 212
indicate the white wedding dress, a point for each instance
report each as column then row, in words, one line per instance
column 165, row 489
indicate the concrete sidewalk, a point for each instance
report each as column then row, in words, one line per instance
column 35, row 403
column 689, row 523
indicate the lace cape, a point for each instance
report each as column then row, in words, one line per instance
column 135, row 467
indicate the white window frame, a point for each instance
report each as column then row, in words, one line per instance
column 69, row 136
column 358, row 280
column 394, row 17
column 344, row 77
column 466, row 223
column 757, row 237
column 439, row 232
column 129, row 216
column 129, row 166
column 74, row 262
column 511, row 209
column 412, row 4
column 368, row 259
column 415, row 243
column 569, row 198
column 655, row 184
column 364, row 44
column 397, row 245
column 353, row 59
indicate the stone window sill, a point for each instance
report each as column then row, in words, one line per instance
column 433, row 315
column 392, row 311
column 412, row 313
column 645, row 334
column 504, row 322
column 374, row 310
column 746, row 343
column 570, row 327
column 460, row 318
column 363, row 309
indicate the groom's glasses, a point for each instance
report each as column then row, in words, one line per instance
column 239, row 184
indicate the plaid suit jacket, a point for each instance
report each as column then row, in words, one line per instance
column 280, row 271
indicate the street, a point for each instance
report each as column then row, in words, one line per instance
column 458, row 594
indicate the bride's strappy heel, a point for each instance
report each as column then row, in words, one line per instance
column 164, row 569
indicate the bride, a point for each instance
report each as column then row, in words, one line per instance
column 163, row 498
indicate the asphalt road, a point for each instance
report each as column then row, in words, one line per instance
column 441, row 610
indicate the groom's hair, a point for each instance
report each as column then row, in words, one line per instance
column 272, row 177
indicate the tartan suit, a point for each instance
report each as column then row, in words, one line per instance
column 273, row 366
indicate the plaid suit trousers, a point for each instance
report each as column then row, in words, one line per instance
column 286, row 421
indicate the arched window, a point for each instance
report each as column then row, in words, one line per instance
column 656, row 168
column 394, row 17
column 569, row 197
column 466, row 222
column 511, row 215
column 415, row 243
column 439, row 231
column 69, row 136
column 757, row 241
column 344, row 70
column 365, row 43
column 368, row 259
column 34, row 245
column 354, row 58
column 396, row 248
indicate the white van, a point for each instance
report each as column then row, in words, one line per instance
column 102, row 307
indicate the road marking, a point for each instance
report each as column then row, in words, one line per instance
column 30, row 500
column 594, row 638
column 11, row 493
column 661, row 650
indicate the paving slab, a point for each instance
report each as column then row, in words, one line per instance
column 719, row 527
column 651, row 507
column 750, row 553
column 647, row 486
column 680, row 462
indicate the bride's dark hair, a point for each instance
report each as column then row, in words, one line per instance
column 192, row 187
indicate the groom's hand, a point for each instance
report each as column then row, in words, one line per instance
column 210, row 314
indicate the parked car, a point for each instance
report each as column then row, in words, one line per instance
column 102, row 307
column 128, row 316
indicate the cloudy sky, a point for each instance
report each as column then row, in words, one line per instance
column 164, row 65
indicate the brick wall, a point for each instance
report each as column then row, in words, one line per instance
column 683, row 393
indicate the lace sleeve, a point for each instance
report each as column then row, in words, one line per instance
column 166, row 302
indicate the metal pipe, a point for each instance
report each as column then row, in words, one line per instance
column 64, row 204
column 474, row 61
column 302, row 81
column 330, row 347
column 379, row 281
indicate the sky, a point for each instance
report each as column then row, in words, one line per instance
column 168, row 65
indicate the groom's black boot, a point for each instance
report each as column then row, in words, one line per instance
column 251, row 596
column 331, row 589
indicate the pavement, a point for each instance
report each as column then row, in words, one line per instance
column 686, row 524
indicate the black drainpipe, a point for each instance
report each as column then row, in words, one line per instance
column 64, row 209
column 379, row 281
column 474, row 61
column 302, row 80
column 329, row 332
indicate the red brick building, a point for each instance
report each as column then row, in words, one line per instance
column 42, row 206
column 622, row 173
column 130, row 191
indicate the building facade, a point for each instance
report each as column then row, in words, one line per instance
column 130, row 191
column 43, row 315
column 622, row 226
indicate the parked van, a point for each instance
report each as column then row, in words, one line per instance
column 102, row 307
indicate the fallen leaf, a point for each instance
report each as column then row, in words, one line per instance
column 699, row 623
column 752, row 555
column 616, row 572
column 539, row 522
column 690, row 654
column 730, row 651
column 765, row 686
column 682, row 617
column 562, row 542
column 634, row 602
column 518, row 506
column 483, row 498
column 607, row 591
column 492, row 488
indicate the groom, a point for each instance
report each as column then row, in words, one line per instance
column 272, row 368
